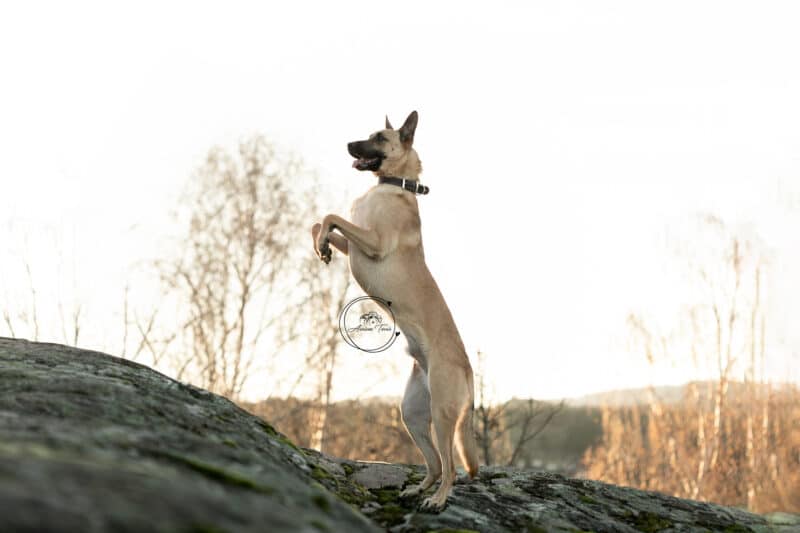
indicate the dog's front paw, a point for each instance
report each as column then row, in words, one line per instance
column 324, row 249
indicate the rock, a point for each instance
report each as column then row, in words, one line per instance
column 784, row 519
column 381, row 475
column 90, row 442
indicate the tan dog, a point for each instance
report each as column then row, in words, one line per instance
column 386, row 258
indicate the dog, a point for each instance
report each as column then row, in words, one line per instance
column 384, row 245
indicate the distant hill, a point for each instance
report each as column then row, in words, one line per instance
column 623, row 397
column 669, row 394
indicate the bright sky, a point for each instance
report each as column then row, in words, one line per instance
column 564, row 144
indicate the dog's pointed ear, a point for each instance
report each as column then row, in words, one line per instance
column 408, row 129
column 388, row 124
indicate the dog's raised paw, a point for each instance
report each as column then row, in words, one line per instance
column 324, row 251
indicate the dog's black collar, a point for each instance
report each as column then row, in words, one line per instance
column 405, row 183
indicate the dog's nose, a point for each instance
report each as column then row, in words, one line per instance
column 352, row 148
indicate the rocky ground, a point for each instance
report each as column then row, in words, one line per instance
column 91, row 442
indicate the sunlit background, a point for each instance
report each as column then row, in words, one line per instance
column 573, row 151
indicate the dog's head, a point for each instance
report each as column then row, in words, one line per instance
column 389, row 152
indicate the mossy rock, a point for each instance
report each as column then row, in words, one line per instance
column 151, row 454
column 650, row 523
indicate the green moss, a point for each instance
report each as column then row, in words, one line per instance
column 348, row 470
column 736, row 528
column 392, row 510
column 347, row 490
column 414, row 479
column 352, row 499
column 386, row 495
column 268, row 429
column 325, row 478
column 588, row 499
column 319, row 486
column 285, row 440
column 320, row 473
column 650, row 523
column 219, row 474
column 272, row 432
column 494, row 475
column 230, row 442
column 355, row 495
column 322, row 502
column 389, row 515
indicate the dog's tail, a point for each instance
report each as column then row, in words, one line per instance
column 466, row 444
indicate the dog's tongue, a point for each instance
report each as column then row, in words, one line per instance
column 362, row 163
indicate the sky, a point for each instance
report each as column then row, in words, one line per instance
column 568, row 147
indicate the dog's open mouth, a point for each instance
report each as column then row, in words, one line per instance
column 364, row 163
column 367, row 156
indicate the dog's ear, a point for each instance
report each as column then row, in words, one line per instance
column 388, row 124
column 408, row 129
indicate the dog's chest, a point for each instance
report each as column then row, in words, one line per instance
column 382, row 209
column 386, row 208
column 367, row 209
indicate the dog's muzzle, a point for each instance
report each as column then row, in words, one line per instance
column 367, row 157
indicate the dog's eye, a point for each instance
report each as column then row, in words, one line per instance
column 380, row 138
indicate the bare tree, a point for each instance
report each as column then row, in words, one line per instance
column 22, row 312
column 488, row 416
column 125, row 321
column 330, row 288
column 505, row 430
column 526, row 423
column 729, row 440
column 34, row 316
column 9, row 322
column 238, row 275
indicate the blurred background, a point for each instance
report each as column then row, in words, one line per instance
column 613, row 218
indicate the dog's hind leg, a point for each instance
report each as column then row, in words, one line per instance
column 416, row 411
column 444, row 424
column 448, row 395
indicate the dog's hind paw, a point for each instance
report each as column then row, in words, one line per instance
column 433, row 504
column 410, row 492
